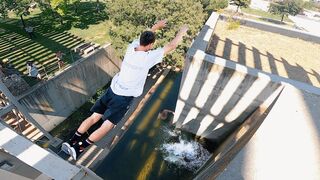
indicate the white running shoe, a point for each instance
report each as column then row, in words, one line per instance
column 73, row 153
column 65, row 147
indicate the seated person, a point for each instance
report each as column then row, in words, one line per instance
column 32, row 70
column 59, row 55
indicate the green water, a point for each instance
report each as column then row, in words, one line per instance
column 137, row 155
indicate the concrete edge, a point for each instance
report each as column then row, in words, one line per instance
column 285, row 31
column 242, row 135
column 201, row 55
column 72, row 65
column 203, row 38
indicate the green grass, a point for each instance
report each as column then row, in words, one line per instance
column 264, row 14
column 98, row 33
column 85, row 25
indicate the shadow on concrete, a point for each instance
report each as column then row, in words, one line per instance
column 295, row 72
column 50, row 37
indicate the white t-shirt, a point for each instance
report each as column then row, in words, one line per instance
column 134, row 70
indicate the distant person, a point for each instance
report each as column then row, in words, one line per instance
column 125, row 85
column 32, row 70
column 59, row 55
column 29, row 30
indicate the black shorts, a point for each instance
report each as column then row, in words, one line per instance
column 112, row 106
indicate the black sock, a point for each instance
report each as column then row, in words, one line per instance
column 79, row 147
column 86, row 143
column 75, row 138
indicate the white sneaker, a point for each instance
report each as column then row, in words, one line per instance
column 73, row 153
column 65, row 147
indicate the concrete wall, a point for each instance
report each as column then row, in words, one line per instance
column 54, row 100
column 286, row 145
column 217, row 97
column 271, row 123
column 277, row 29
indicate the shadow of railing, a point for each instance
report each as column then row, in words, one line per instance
column 295, row 72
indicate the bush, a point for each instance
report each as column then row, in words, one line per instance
column 214, row 5
column 233, row 24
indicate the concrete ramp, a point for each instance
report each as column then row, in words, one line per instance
column 262, row 126
column 287, row 144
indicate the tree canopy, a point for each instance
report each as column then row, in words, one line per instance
column 286, row 7
column 128, row 18
column 241, row 3
column 131, row 17
column 214, row 5
column 19, row 7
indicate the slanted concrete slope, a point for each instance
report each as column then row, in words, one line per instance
column 287, row 144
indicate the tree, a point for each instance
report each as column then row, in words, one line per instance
column 4, row 8
column 286, row 7
column 214, row 5
column 131, row 17
column 241, row 3
column 20, row 8
column 60, row 8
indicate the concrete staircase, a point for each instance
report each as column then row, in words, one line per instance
column 23, row 127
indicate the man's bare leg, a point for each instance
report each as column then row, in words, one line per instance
column 94, row 137
column 87, row 123
column 102, row 131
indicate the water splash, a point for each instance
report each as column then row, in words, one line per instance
column 186, row 154
column 170, row 132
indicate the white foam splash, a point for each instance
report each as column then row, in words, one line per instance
column 188, row 154
column 170, row 132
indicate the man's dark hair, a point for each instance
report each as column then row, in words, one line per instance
column 147, row 38
column 29, row 63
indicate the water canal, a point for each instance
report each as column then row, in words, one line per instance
column 152, row 148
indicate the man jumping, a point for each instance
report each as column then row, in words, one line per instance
column 125, row 85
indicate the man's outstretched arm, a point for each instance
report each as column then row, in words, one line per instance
column 176, row 41
column 159, row 25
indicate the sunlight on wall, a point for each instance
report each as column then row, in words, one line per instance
column 228, row 91
column 208, row 85
column 191, row 115
column 204, row 124
column 177, row 113
column 191, row 75
column 247, row 99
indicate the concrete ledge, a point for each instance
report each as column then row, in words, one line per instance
column 35, row 156
column 54, row 100
column 276, row 29
column 287, row 144
column 204, row 36
column 257, row 73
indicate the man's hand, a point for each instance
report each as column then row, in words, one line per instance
column 177, row 40
column 159, row 25
column 183, row 30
